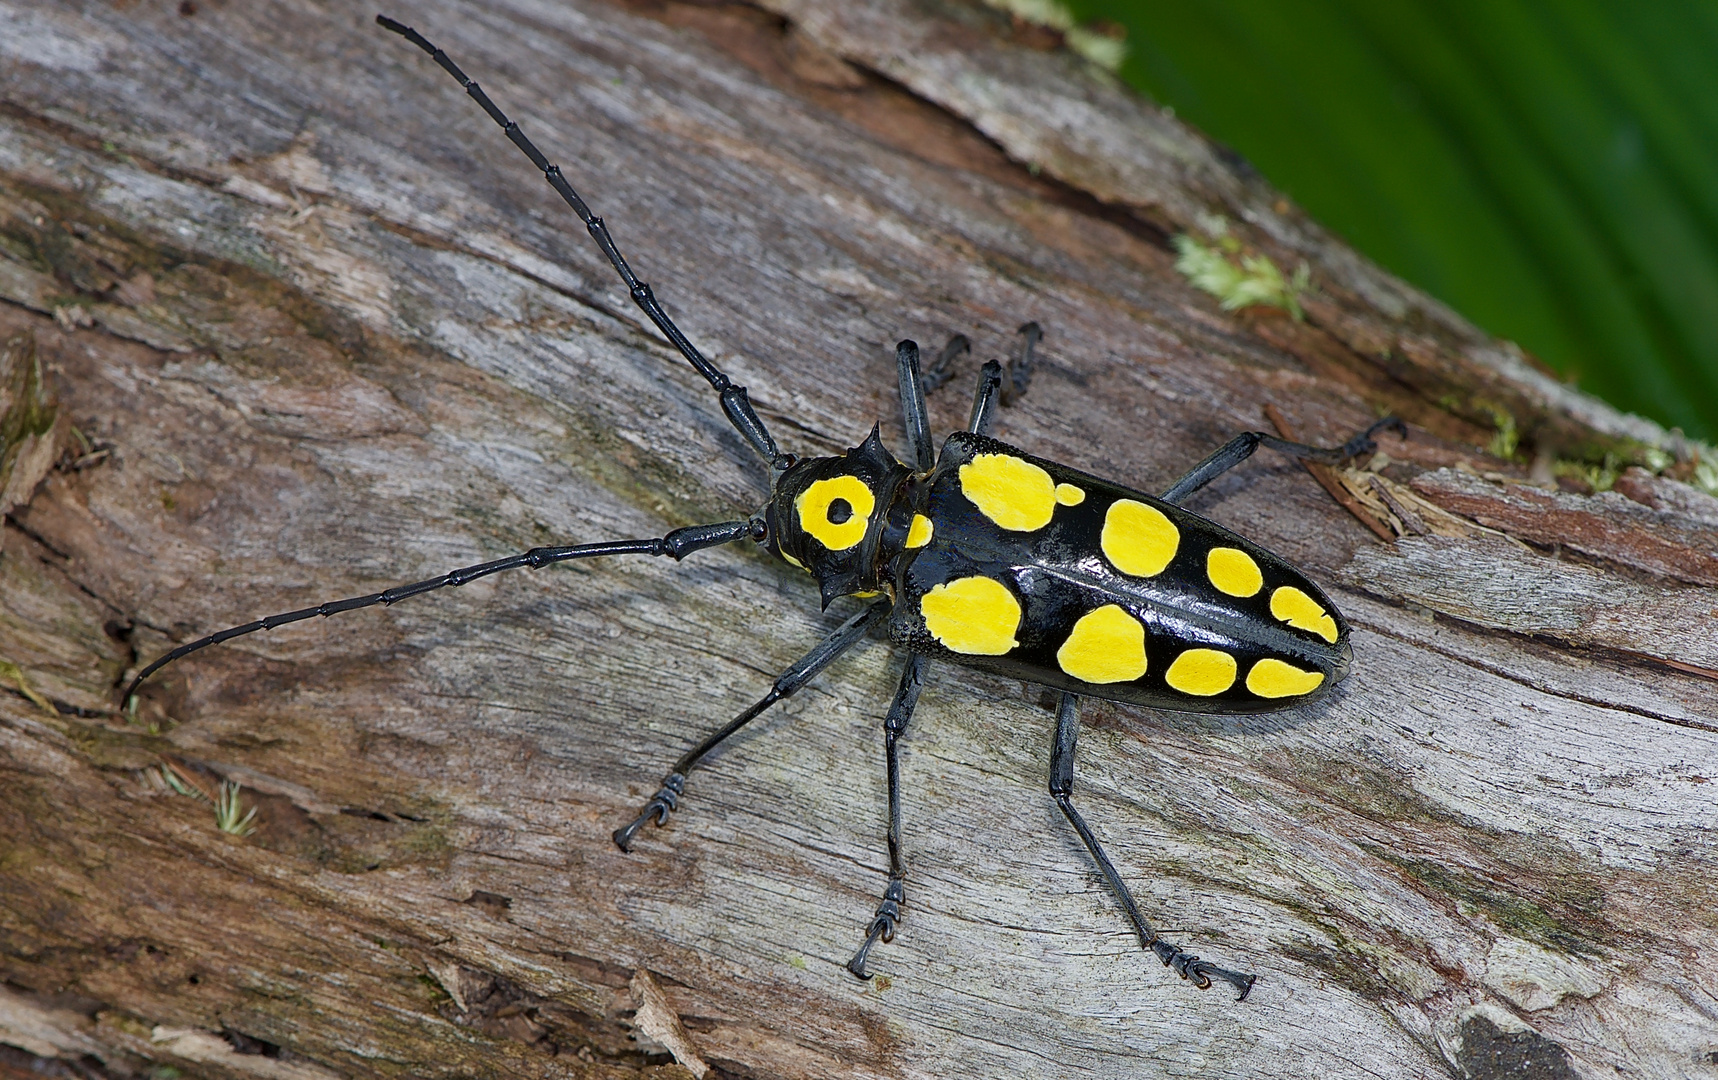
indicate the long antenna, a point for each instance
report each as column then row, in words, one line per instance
column 676, row 545
column 735, row 403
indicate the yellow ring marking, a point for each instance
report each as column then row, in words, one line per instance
column 1302, row 612
column 1201, row 672
column 919, row 532
column 1275, row 679
column 1014, row 493
column 1105, row 646
column 1139, row 539
column 1069, row 495
column 813, row 503
column 973, row 615
column 1233, row 571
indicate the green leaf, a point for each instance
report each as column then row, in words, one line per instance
column 1550, row 170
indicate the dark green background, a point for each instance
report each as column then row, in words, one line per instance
column 1549, row 169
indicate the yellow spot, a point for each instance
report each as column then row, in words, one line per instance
column 1069, row 495
column 1014, row 493
column 1233, row 571
column 791, row 561
column 973, row 615
column 1138, row 539
column 1273, row 678
column 1302, row 612
column 919, row 532
column 1106, row 645
column 814, row 502
column 1201, row 672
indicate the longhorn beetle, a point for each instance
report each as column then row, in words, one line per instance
column 985, row 556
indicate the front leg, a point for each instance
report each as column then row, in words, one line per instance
column 667, row 798
column 888, row 914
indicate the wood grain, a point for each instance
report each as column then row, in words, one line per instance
column 320, row 330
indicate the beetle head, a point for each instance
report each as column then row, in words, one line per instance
column 827, row 515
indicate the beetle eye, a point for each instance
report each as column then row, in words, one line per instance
column 839, row 511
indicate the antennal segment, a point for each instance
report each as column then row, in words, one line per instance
column 735, row 403
column 676, row 545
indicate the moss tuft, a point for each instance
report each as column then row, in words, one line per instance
column 1240, row 280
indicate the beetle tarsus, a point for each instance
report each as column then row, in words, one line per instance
column 1200, row 972
column 882, row 928
column 1363, row 443
column 664, row 802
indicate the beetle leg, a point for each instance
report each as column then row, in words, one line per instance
column 984, row 398
column 888, row 914
column 913, row 405
column 1020, row 367
column 1188, row 966
column 1241, row 447
column 942, row 368
column 667, row 798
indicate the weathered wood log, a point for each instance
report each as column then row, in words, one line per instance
column 315, row 329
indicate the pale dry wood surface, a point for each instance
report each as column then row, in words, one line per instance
column 320, row 330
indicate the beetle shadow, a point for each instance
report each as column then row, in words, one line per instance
column 1137, row 720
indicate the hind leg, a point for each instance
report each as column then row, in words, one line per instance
column 1241, row 447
